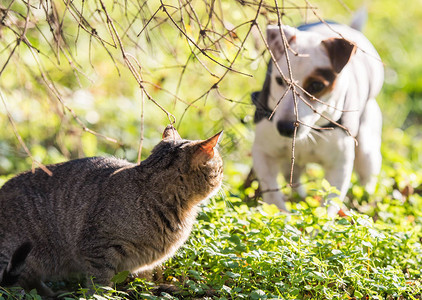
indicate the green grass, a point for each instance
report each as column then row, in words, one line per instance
column 240, row 252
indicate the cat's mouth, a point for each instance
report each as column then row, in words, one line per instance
column 214, row 191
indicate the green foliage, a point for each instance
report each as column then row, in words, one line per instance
column 120, row 277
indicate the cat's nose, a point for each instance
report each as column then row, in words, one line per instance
column 286, row 128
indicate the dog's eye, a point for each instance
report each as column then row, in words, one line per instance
column 279, row 80
column 315, row 87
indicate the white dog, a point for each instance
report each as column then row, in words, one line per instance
column 341, row 68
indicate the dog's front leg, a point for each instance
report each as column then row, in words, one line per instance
column 266, row 169
column 339, row 174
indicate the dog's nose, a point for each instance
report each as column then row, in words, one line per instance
column 286, row 128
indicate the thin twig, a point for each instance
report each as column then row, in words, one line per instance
column 141, row 140
column 199, row 48
column 135, row 73
column 22, row 143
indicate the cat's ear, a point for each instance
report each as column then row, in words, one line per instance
column 170, row 133
column 205, row 150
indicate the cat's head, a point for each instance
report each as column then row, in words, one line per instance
column 192, row 161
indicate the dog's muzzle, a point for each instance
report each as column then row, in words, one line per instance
column 286, row 128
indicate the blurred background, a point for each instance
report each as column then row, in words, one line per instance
column 103, row 77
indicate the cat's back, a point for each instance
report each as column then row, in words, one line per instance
column 63, row 174
column 51, row 212
column 31, row 199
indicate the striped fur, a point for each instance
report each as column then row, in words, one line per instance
column 99, row 216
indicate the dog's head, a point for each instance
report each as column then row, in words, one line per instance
column 316, row 69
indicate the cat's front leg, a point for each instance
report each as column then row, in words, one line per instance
column 102, row 263
column 99, row 272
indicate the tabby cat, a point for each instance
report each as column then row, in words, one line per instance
column 99, row 216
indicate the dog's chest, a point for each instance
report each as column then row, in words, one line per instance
column 325, row 148
column 305, row 151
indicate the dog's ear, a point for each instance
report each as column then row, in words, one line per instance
column 339, row 51
column 275, row 40
column 260, row 99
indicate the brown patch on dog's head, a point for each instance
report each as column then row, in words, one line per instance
column 339, row 51
column 320, row 82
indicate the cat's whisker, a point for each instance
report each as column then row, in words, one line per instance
column 311, row 137
column 320, row 135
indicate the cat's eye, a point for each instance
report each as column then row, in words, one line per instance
column 279, row 80
column 314, row 87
